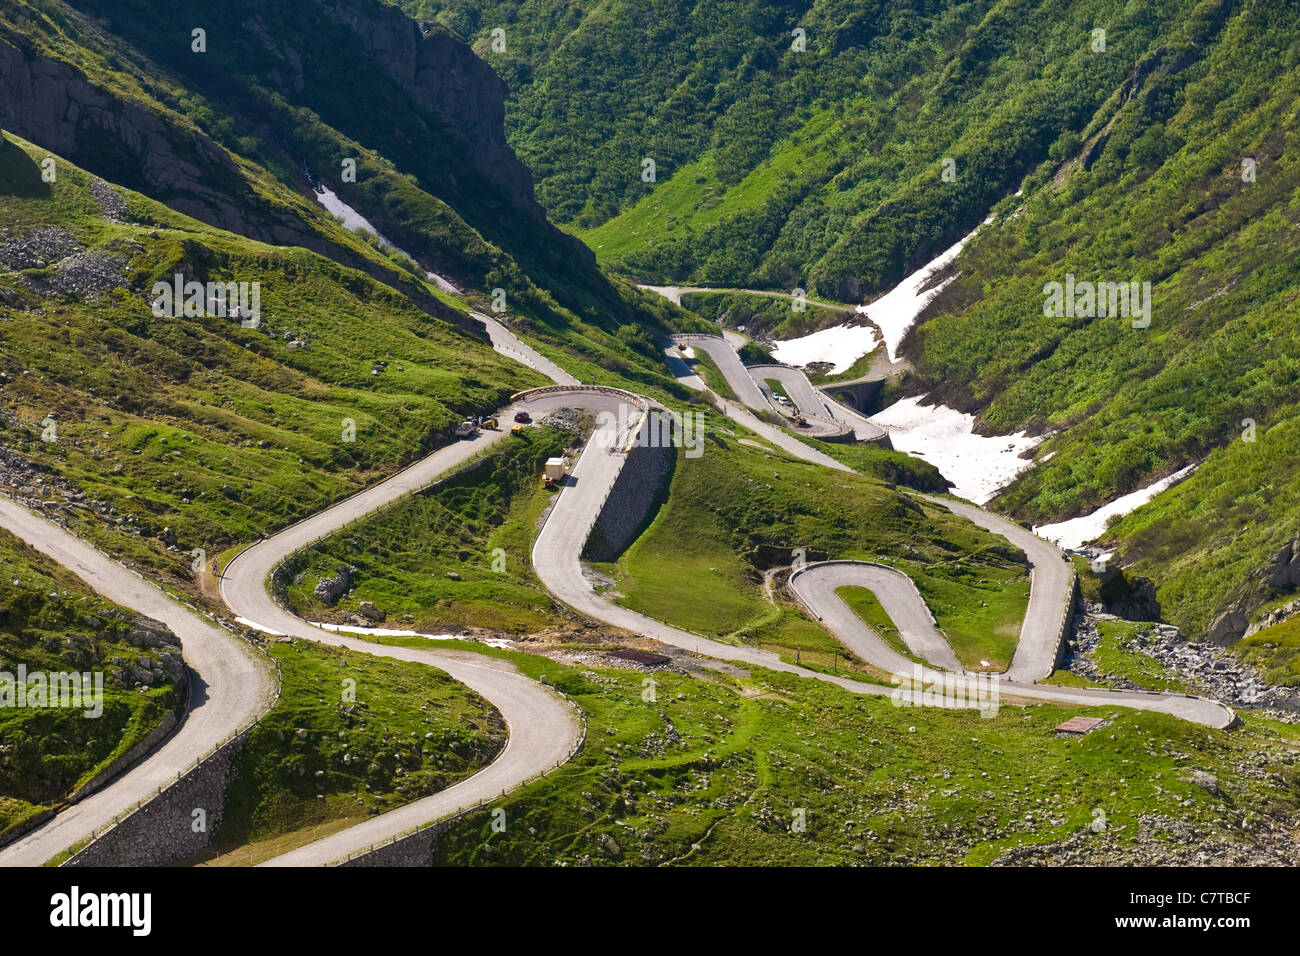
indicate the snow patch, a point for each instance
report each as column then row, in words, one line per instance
column 840, row 345
column 1079, row 531
column 976, row 465
column 258, row 627
column 384, row 631
column 894, row 313
column 354, row 220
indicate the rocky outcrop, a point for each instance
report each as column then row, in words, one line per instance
column 1133, row 599
column 1228, row 627
column 329, row 590
column 54, row 104
column 1283, row 570
column 1275, row 616
column 153, row 151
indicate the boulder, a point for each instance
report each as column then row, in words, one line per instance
column 1284, row 567
column 1228, row 627
column 329, row 590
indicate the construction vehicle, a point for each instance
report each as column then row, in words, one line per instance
column 517, row 430
column 490, row 423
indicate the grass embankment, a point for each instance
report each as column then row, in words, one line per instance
column 713, row 771
column 864, row 605
column 1117, row 655
column 734, row 512
column 1275, row 651
column 403, row 554
column 884, row 464
column 352, row 735
column 52, row 623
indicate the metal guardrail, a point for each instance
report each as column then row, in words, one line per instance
column 640, row 401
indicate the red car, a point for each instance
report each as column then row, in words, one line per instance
column 522, row 417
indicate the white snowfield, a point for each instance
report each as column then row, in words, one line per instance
column 1076, row 532
column 893, row 313
column 840, row 345
column 977, row 465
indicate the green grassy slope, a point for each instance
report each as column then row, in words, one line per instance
column 217, row 432
column 403, row 556
column 736, row 511
column 1160, row 198
column 352, row 735
column 240, row 135
column 713, row 770
column 764, row 316
column 820, row 168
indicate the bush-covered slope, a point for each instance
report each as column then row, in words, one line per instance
column 1156, row 192
column 821, row 167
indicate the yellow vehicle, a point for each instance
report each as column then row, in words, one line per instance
column 489, row 423
column 517, row 430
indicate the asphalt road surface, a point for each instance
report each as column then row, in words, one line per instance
column 231, row 685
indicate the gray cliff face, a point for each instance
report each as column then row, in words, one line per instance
column 448, row 83
column 52, row 103
column 452, row 93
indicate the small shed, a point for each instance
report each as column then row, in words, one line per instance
column 554, row 469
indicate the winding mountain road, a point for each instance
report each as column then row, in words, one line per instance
column 231, row 685
column 543, row 728
column 674, row 293
column 556, row 560
column 826, row 418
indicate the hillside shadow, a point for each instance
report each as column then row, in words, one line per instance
column 19, row 173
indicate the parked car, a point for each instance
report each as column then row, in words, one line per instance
column 522, row 417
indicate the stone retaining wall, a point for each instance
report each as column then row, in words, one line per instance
column 631, row 502
column 163, row 830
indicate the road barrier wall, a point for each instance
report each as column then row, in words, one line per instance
column 167, row 828
column 633, row 499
